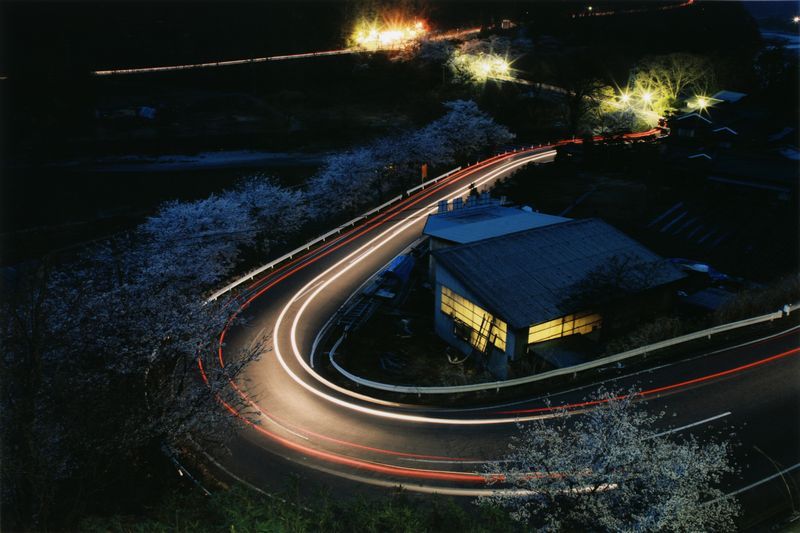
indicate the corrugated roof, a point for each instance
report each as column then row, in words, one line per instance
column 525, row 278
column 470, row 224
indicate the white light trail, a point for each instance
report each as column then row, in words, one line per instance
column 361, row 253
column 213, row 64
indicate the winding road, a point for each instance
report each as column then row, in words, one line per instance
column 356, row 441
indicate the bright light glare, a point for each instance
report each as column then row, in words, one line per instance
column 625, row 98
column 702, row 102
column 377, row 36
column 796, row 19
column 647, row 97
column 482, row 67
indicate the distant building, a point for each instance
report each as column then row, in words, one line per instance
column 710, row 119
column 502, row 294
column 736, row 144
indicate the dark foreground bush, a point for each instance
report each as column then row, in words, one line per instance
column 242, row 510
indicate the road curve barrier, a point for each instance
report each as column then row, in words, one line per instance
column 249, row 276
column 786, row 310
column 350, row 223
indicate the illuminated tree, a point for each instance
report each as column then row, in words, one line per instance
column 619, row 112
column 351, row 180
column 667, row 77
column 609, row 469
column 462, row 132
column 479, row 60
column 101, row 351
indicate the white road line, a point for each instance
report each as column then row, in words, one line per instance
column 265, row 415
column 693, row 424
column 673, row 430
column 756, row 484
column 455, row 461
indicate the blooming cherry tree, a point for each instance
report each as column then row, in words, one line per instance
column 609, row 469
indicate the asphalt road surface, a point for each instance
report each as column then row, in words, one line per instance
column 355, row 442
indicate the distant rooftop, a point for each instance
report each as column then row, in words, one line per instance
column 728, row 96
column 525, row 278
column 484, row 220
column 693, row 115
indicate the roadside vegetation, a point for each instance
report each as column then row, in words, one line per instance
column 101, row 395
column 566, row 471
column 241, row 510
column 609, row 469
column 102, row 388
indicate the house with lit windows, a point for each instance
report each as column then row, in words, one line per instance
column 501, row 295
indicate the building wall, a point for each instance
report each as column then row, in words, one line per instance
column 445, row 326
column 433, row 245
column 517, row 341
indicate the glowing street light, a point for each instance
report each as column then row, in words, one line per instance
column 796, row 19
column 482, row 67
column 702, row 102
column 374, row 36
column 647, row 97
column 625, row 97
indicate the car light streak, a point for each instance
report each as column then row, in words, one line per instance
column 665, row 388
column 286, row 425
column 213, row 64
column 306, row 296
column 367, row 410
column 416, row 199
column 382, row 468
column 360, row 254
column 371, row 224
column 375, row 41
column 405, row 204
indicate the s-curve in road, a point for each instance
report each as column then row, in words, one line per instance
column 356, row 439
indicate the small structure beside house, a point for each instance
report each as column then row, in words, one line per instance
column 500, row 296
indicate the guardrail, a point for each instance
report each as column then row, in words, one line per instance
column 307, row 246
column 496, row 385
column 249, row 276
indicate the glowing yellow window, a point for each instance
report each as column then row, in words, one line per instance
column 477, row 325
column 582, row 323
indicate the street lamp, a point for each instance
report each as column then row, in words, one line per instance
column 796, row 19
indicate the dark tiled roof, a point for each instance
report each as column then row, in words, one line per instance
column 524, row 278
